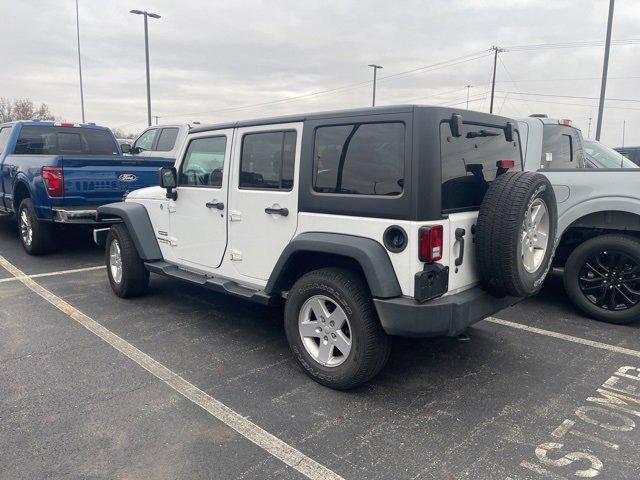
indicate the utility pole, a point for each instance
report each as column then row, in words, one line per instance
column 605, row 68
column 79, row 61
column 624, row 127
column 589, row 130
column 375, row 71
column 156, row 117
column 146, row 50
column 496, row 51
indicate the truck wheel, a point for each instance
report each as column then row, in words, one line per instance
column 333, row 329
column 127, row 274
column 37, row 237
column 515, row 235
column 602, row 278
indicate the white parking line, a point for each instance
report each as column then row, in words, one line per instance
column 51, row 274
column 562, row 336
column 263, row 439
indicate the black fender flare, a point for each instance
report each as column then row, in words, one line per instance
column 370, row 255
column 135, row 217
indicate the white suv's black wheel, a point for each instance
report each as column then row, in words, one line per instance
column 126, row 271
column 36, row 237
column 602, row 278
column 515, row 235
column 333, row 329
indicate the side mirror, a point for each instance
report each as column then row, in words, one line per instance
column 136, row 150
column 169, row 180
column 125, row 147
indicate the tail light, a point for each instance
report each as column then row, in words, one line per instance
column 430, row 243
column 506, row 164
column 53, row 181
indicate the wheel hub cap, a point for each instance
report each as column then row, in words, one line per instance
column 325, row 331
column 115, row 261
column 26, row 231
column 611, row 280
column 534, row 239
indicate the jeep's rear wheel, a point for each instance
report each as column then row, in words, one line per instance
column 515, row 234
column 333, row 330
column 126, row 271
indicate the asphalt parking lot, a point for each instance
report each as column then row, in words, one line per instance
column 522, row 399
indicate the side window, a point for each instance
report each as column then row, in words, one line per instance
column 203, row 162
column 559, row 150
column 359, row 159
column 267, row 160
column 145, row 141
column 167, row 139
column 4, row 138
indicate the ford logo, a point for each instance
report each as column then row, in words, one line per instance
column 127, row 177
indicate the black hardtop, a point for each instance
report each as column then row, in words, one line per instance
column 435, row 112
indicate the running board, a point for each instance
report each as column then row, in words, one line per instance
column 216, row 284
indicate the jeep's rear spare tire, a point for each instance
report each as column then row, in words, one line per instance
column 515, row 234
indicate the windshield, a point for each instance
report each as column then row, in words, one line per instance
column 606, row 157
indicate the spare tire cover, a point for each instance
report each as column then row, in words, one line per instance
column 515, row 233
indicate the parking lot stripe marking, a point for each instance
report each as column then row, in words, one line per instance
column 568, row 338
column 51, row 274
column 263, row 439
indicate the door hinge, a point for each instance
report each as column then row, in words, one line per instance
column 235, row 216
column 235, row 255
column 171, row 208
column 173, row 241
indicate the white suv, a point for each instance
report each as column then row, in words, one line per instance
column 366, row 223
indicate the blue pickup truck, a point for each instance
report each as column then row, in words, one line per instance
column 59, row 173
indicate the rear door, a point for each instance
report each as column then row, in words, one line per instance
column 198, row 217
column 264, row 196
column 469, row 164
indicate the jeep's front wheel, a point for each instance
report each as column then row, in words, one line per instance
column 126, row 271
column 333, row 330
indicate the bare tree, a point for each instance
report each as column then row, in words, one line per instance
column 23, row 109
column 119, row 133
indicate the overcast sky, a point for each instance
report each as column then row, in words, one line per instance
column 210, row 57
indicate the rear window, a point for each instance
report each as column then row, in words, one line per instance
column 470, row 163
column 359, row 159
column 45, row 140
column 558, row 149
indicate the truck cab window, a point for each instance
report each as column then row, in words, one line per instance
column 4, row 137
column 167, row 139
column 146, row 140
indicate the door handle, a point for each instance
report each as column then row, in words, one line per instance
column 218, row 205
column 460, row 233
column 277, row 211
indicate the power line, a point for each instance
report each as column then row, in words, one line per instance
column 583, row 44
column 634, row 100
column 435, row 66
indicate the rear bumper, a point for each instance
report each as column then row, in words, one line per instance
column 86, row 215
column 444, row 316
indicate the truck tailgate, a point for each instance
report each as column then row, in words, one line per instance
column 97, row 180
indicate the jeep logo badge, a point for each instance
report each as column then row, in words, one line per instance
column 127, row 177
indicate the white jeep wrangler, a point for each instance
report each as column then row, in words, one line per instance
column 405, row 220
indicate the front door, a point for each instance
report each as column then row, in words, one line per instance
column 198, row 218
column 263, row 214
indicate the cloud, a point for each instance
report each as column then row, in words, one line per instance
column 207, row 57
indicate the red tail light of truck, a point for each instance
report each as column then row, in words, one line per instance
column 53, row 181
column 431, row 242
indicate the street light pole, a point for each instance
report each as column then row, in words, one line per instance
column 375, row 71
column 146, row 50
column 468, row 89
column 79, row 61
column 605, row 68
